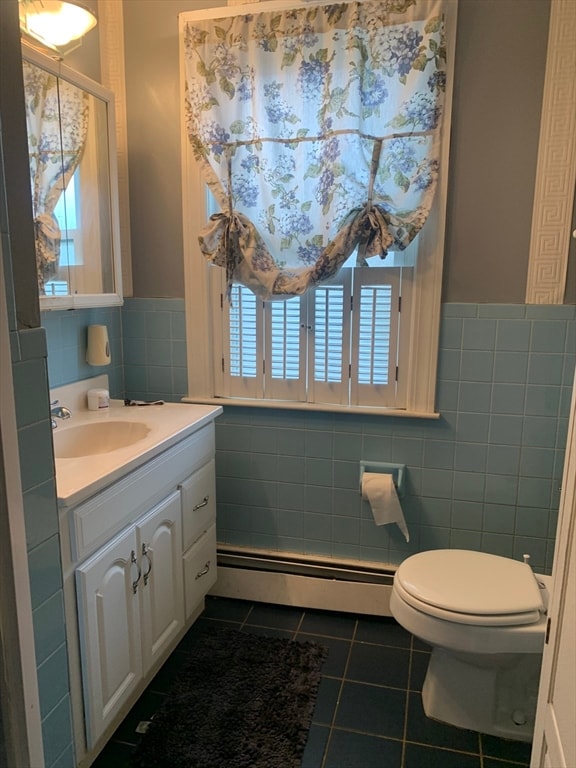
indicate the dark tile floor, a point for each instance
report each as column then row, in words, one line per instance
column 368, row 713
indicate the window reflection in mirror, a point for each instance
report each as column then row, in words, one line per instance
column 71, row 184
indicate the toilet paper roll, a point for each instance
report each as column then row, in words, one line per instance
column 379, row 490
column 98, row 347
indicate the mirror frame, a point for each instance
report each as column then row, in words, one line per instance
column 78, row 301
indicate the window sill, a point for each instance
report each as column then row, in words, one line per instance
column 325, row 407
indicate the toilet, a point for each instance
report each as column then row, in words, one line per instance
column 485, row 618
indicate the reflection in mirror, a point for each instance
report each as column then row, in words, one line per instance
column 72, row 188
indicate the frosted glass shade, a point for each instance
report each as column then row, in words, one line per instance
column 55, row 22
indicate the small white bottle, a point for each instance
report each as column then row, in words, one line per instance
column 98, row 399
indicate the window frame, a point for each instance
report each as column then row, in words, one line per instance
column 423, row 324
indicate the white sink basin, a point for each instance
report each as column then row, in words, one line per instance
column 94, row 449
column 97, row 438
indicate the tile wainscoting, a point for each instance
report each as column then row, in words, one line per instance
column 485, row 476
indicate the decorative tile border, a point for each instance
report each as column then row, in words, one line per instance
column 556, row 169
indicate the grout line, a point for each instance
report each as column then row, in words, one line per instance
column 374, row 685
column 481, row 750
column 338, row 698
column 297, row 630
column 359, row 642
column 443, row 749
column 368, row 733
column 406, row 705
column 412, row 741
column 243, row 623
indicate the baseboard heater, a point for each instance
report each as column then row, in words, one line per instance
column 289, row 579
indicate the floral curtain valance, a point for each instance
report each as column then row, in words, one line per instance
column 57, row 124
column 318, row 131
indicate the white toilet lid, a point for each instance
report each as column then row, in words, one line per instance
column 471, row 583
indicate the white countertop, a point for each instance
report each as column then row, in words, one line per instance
column 80, row 477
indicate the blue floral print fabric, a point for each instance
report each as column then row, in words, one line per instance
column 318, row 132
column 57, row 124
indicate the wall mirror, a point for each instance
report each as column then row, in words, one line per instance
column 73, row 177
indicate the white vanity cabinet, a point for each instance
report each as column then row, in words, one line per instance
column 130, row 609
column 139, row 557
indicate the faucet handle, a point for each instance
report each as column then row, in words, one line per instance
column 55, row 402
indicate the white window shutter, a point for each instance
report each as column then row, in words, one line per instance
column 375, row 329
column 238, row 371
column 329, row 341
column 316, row 348
column 285, row 349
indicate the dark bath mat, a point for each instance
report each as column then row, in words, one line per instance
column 244, row 701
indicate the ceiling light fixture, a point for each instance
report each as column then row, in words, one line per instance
column 56, row 23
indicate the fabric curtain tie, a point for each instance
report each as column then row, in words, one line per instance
column 219, row 243
column 370, row 228
column 233, row 242
column 47, row 227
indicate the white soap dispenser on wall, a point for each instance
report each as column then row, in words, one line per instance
column 98, row 346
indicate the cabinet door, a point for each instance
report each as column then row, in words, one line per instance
column 160, row 552
column 109, row 626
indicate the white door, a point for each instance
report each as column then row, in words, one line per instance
column 160, row 554
column 109, row 624
column 555, row 728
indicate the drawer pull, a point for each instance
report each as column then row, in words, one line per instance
column 133, row 561
column 204, row 570
column 202, row 504
column 147, row 556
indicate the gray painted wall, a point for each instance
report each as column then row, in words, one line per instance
column 153, row 107
column 86, row 58
column 500, row 64
column 500, row 59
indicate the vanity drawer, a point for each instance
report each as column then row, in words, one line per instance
column 95, row 521
column 199, row 570
column 198, row 504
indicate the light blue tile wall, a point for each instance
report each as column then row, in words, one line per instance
column 485, row 476
column 154, row 334
column 43, row 544
column 66, row 332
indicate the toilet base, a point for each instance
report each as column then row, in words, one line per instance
column 498, row 700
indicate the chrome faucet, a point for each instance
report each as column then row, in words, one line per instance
column 58, row 412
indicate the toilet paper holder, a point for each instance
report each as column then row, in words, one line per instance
column 398, row 472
